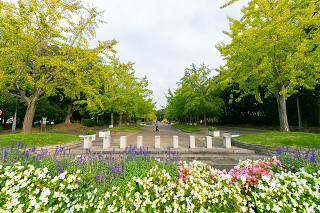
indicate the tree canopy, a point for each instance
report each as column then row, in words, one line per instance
column 193, row 97
column 45, row 45
column 274, row 45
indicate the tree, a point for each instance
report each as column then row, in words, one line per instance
column 274, row 45
column 194, row 97
column 123, row 93
column 199, row 98
column 45, row 45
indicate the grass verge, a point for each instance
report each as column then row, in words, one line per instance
column 129, row 128
column 188, row 128
column 277, row 139
column 38, row 138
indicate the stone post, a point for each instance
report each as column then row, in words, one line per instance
column 123, row 142
column 175, row 142
column 227, row 142
column 106, row 142
column 208, row 142
column 192, row 142
column 139, row 141
column 157, row 142
column 87, row 142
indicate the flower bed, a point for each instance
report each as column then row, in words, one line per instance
column 28, row 184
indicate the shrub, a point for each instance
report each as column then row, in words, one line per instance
column 88, row 122
column 88, row 132
column 100, row 123
column 212, row 128
column 0, row 128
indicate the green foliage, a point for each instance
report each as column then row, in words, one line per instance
column 38, row 138
column 88, row 122
column 277, row 139
column 53, row 50
column 193, row 97
column 280, row 52
column 100, row 123
column 212, row 128
column 123, row 93
column 88, row 132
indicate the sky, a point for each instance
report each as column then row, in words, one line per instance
column 165, row 37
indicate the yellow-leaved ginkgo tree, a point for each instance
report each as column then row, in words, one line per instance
column 276, row 44
column 45, row 45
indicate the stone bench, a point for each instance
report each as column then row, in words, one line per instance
column 227, row 140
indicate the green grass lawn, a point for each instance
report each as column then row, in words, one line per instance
column 39, row 138
column 189, row 128
column 277, row 139
column 129, row 128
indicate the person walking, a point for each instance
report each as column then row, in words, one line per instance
column 157, row 127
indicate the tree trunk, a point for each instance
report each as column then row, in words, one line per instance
column 125, row 119
column 111, row 118
column 28, row 118
column 205, row 118
column 120, row 120
column 70, row 111
column 282, row 110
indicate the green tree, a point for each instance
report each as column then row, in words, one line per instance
column 123, row 93
column 45, row 45
column 275, row 44
column 195, row 85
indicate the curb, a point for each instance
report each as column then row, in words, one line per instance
column 52, row 148
column 259, row 149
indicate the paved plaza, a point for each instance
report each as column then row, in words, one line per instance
column 218, row 156
column 166, row 134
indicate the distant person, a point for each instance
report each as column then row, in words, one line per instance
column 157, row 127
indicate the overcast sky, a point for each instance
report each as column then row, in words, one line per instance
column 165, row 37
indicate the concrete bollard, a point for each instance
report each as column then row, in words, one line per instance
column 106, row 142
column 192, row 142
column 123, row 142
column 208, row 142
column 93, row 137
column 157, row 142
column 87, row 142
column 227, row 142
column 139, row 142
column 175, row 142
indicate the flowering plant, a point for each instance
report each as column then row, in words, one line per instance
column 212, row 128
column 78, row 184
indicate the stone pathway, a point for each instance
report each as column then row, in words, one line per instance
column 219, row 157
column 148, row 133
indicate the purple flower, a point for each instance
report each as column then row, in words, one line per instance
column 88, row 179
column 97, row 178
column 117, row 171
